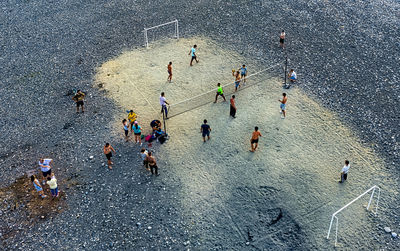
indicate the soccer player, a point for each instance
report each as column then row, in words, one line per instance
column 243, row 73
column 220, row 92
column 254, row 139
column 233, row 107
column 236, row 74
column 205, row 130
column 283, row 105
column 345, row 170
column 164, row 103
column 193, row 54
column 169, row 67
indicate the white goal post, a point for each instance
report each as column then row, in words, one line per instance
column 348, row 204
column 175, row 22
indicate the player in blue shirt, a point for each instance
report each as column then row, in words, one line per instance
column 193, row 54
column 243, row 73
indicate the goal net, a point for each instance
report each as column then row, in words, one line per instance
column 204, row 98
column 161, row 31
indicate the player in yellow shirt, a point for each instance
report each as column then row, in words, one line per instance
column 132, row 118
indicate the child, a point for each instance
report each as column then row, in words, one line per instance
column 37, row 186
column 345, row 170
column 137, row 131
column 52, row 182
column 144, row 154
column 126, row 129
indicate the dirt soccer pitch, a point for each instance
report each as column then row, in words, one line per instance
column 288, row 188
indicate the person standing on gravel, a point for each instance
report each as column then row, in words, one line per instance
column 292, row 76
column 45, row 167
column 282, row 39
column 193, row 54
column 169, row 69
column 220, row 92
column 126, row 129
column 152, row 163
column 254, row 139
column 205, row 130
column 345, row 170
column 144, row 153
column 107, row 151
column 52, row 182
column 233, row 107
column 283, row 105
column 37, row 186
column 79, row 98
column 164, row 103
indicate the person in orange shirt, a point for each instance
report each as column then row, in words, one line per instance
column 169, row 66
column 254, row 139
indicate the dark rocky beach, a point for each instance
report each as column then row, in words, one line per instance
column 346, row 54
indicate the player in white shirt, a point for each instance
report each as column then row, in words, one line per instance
column 164, row 103
column 345, row 170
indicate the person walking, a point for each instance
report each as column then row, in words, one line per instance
column 220, row 92
column 79, row 97
column 205, row 130
column 164, row 103
column 193, row 54
column 282, row 39
column 137, row 130
column 152, row 163
column 126, row 129
column 243, row 73
column 283, row 105
column 132, row 118
column 143, row 154
column 37, row 186
column 52, row 182
column 107, row 151
column 169, row 69
column 233, row 107
column 254, row 139
column 45, row 167
column 345, row 170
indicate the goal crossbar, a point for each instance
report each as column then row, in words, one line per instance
column 351, row 202
column 146, row 39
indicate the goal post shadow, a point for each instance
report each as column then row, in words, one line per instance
column 348, row 204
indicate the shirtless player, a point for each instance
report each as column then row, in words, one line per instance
column 254, row 139
column 283, row 105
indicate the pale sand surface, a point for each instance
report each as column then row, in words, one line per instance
column 229, row 193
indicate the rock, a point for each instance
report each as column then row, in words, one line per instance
column 149, row 227
column 387, row 230
column 91, row 157
column 186, row 243
column 138, row 224
column 394, row 235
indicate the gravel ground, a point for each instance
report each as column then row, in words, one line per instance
column 346, row 54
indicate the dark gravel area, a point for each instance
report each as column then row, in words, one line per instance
column 346, row 55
